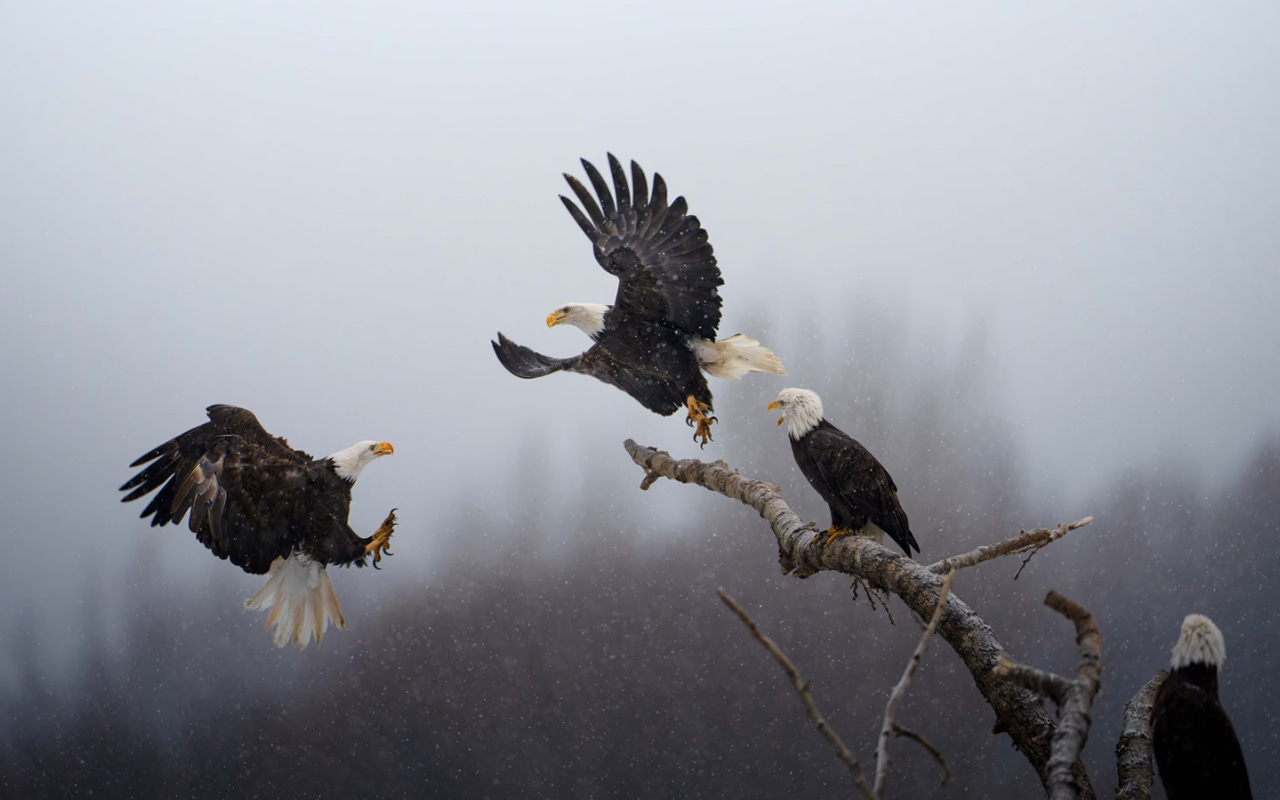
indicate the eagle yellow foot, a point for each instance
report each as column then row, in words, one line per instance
column 698, row 416
column 381, row 540
column 834, row 533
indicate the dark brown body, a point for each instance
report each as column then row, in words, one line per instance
column 855, row 485
column 1196, row 748
column 250, row 497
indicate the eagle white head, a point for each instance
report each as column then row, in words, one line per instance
column 587, row 316
column 1200, row 643
column 801, row 410
column 350, row 462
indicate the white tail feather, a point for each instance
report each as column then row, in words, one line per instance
column 736, row 356
column 302, row 601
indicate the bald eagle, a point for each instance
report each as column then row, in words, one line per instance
column 1196, row 748
column 862, row 497
column 254, row 500
column 659, row 335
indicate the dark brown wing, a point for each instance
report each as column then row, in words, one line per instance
column 665, row 266
column 862, row 483
column 655, row 390
column 174, row 460
column 1195, row 744
column 248, row 496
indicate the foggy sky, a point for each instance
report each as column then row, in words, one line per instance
column 325, row 215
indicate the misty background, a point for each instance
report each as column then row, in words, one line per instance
column 1028, row 255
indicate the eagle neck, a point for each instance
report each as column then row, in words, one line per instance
column 348, row 464
column 803, row 420
column 589, row 318
column 1202, row 675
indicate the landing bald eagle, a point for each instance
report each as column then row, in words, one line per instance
column 659, row 335
column 862, row 497
column 1196, row 748
column 266, row 507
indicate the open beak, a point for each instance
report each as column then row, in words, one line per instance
column 384, row 449
column 777, row 404
column 555, row 318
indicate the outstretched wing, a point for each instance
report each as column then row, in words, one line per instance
column 239, row 485
column 665, row 266
column 862, row 482
column 524, row 362
column 655, row 392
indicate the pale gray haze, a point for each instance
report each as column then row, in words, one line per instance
column 323, row 212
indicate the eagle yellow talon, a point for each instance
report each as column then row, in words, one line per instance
column 380, row 542
column 699, row 417
column 834, row 533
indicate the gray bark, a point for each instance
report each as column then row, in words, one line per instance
column 1135, row 765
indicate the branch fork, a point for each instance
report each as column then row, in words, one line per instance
column 1018, row 711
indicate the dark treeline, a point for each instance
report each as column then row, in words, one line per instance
column 609, row 668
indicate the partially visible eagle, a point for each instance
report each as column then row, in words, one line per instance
column 862, row 497
column 1195, row 745
column 254, row 500
column 659, row 335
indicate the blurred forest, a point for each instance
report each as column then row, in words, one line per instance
column 563, row 655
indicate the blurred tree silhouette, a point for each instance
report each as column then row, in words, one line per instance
column 609, row 668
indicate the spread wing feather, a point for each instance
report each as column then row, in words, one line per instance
column 240, row 487
column 655, row 392
column 666, row 270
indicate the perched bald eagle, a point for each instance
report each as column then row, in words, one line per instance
column 267, row 508
column 659, row 335
column 862, row 497
column 1196, row 748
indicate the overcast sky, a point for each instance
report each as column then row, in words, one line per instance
column 324, row 212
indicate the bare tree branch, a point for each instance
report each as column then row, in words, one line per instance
column 900, row 691
column 1074, row 697
column 1033, row 541
column 1047, row 684
column 1135, row 767
column 907, row 733
column 1018, row 711
column 802, row 688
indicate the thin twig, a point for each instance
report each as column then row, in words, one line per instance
column 1034, row 541
column 900, row 691
column 802, row 688
column 907, row 733
column 1135, row 767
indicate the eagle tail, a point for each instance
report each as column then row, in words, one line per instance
column 302, row 601
column 736, row 356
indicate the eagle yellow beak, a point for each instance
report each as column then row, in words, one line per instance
column 555, row 318
column 384, row 449
column 777, row 404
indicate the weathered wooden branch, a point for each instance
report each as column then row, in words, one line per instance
column 802, row 688
column 1046, row 684
column 1033, row 541
column 900, row 691
column 1135, row 766
column 1074, row 698
column 1018, row 711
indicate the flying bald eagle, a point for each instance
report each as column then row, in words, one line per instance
column 659, row 335
column 1196, row 748
column 254, row 500
column 862, row 497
